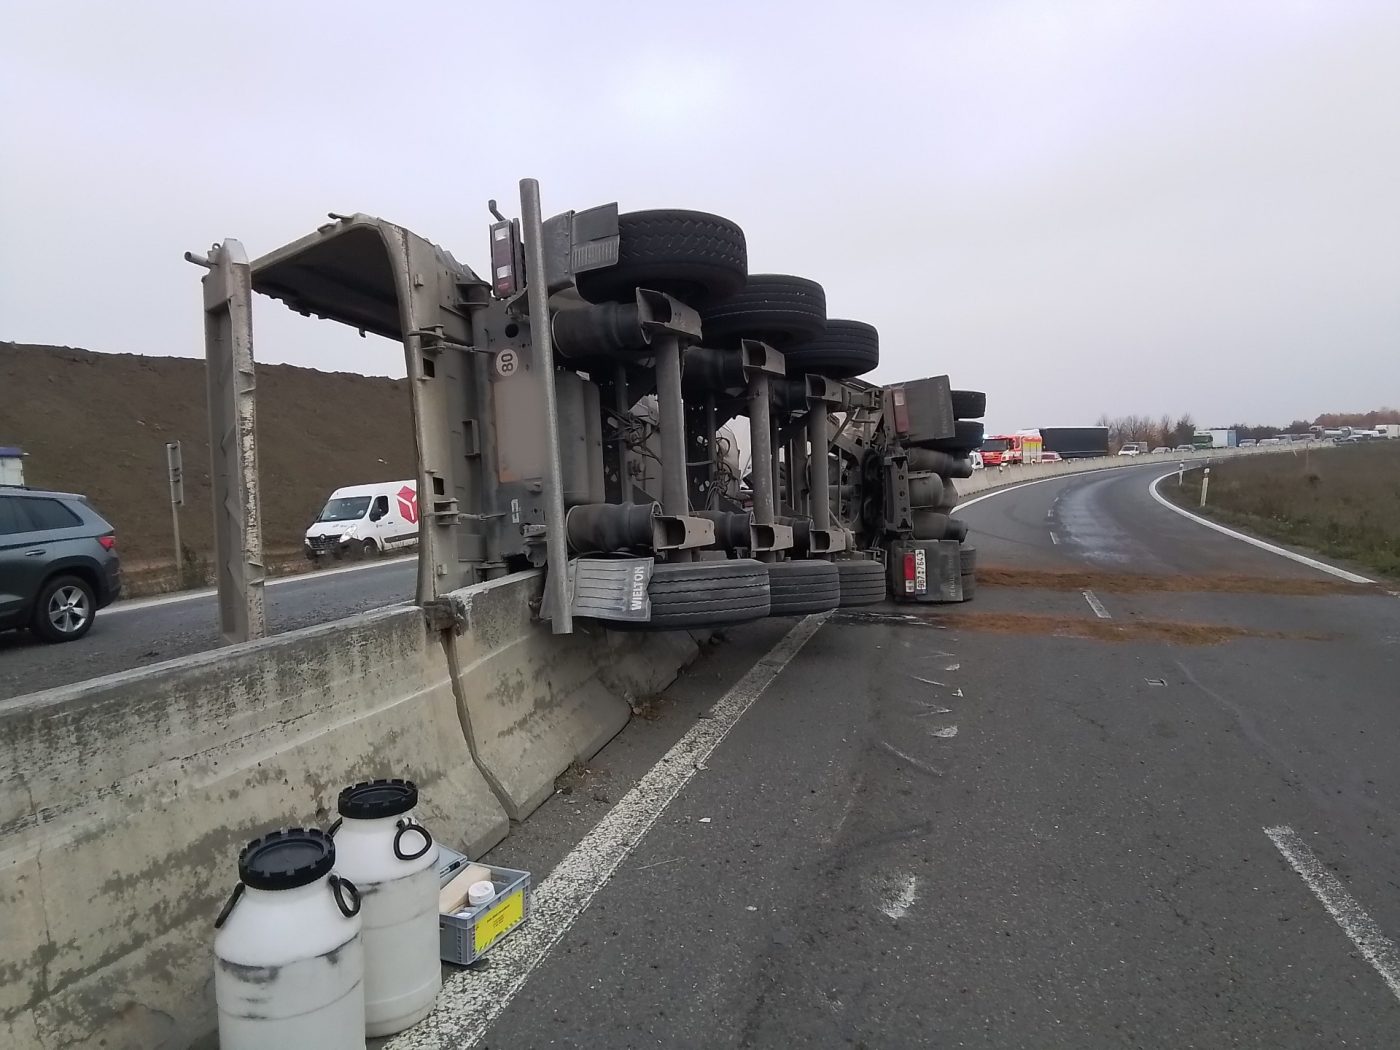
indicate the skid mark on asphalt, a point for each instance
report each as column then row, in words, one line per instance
column 1377, row 949
column 910, row 760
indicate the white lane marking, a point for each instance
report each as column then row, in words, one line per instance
column 137, row 604
column 929, row 681
column 1311, row 563
column 899, row 898
column 1096, row 605
column 1054, row 539
column 1378, row 949
column 472, row 1001
column 1021, row 485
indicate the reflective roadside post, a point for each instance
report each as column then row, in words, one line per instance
column 1205, row 486
column 1180, row 473
column 175, row 467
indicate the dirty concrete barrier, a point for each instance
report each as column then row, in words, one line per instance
column 124, row 799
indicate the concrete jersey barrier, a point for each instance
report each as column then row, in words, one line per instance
column 124, row 800
column 993, row 478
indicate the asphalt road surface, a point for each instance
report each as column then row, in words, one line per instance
column 1022, row 822
column 136, row 633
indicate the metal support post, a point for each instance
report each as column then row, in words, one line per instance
column 233, row 448
column 671, row 413
column 765, row 463
column 542, row 346
column 174, row 463
column 818, row 463
column 624, row 454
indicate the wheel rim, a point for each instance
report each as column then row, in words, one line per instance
column 68, row 610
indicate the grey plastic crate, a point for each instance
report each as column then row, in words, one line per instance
column 465, row 938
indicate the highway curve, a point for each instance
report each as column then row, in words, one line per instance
column 1015, row 823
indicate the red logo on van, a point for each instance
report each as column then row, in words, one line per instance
column 408, row 505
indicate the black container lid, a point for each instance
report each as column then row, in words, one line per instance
column 286, row 858
column 377, row 798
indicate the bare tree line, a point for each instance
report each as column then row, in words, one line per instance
column 1164, row 430
column 1151, row 432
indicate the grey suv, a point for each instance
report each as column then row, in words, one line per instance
column 58, row 563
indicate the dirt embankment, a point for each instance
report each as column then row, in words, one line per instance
column 1342, row 501
column 98, row 424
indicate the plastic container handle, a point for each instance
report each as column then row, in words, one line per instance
column 337, row 883
column 233, row 898
column 405, row 826
column 330, row 832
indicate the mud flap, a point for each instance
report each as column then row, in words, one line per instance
column 608, row 589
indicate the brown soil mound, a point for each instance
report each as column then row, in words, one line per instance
column 1079, row 627
column 1131, row 582
column 98, row 423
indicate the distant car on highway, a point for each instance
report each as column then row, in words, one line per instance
column 1184, row 448
column 1051, row 457
column 1132, row 448
column 1160, row 449
column 1247, row 443
column 58, row 563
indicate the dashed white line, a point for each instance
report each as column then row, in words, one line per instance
column 1301, row 559
column 1054, row 539
column 471, row 1001
column 1096, row 605
column 1378, row 949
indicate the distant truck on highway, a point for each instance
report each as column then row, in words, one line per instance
column 1075, row 442
column 365, row 521
column 1389, row 430
column 1024, row 446
column 1221, row 438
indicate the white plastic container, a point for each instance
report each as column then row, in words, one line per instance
column 393, row 861
column 288, row 964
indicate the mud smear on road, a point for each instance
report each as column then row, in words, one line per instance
column 1170, row 632
column 1135, row 582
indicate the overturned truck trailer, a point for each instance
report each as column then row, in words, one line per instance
column 579, row 409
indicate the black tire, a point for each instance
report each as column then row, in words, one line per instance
column 956, row 530
column 969, row 404
column 707, row 594
column 967, row 437
column 967, row 558
column 925, row 490
column 697, row 257
column 969, row 586
column 930, row 524
column 776, row 308
column 64, row 609
column 950, row 497
column 844, row 350
column 862, row 582
column 802, row 587
column 369, row 550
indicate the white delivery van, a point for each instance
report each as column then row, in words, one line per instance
column 365, row 521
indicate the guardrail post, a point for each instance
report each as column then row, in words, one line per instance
column 1205, row 486
column 233, row 446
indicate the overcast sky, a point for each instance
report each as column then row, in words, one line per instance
column 1078, row 206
